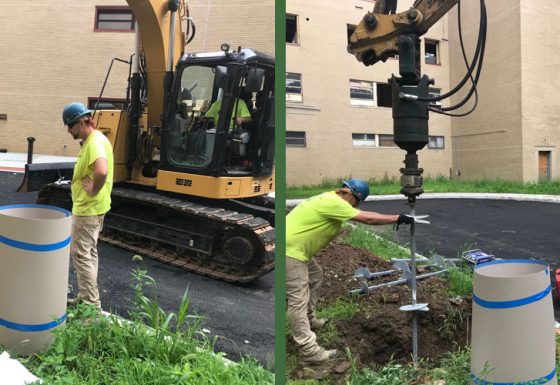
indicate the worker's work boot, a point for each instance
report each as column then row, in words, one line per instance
column 321, row 356
column 318, row 323
column 72, row 301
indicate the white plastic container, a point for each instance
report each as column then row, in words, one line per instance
column 34, row 260
column 513, row 336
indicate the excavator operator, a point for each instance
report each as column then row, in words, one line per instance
column 241, row 112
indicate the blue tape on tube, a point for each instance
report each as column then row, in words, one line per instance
column 542, row 380
column 32, row 328
column 513, row 303
column 34, row 247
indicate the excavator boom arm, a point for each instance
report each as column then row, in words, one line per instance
column 154, row 19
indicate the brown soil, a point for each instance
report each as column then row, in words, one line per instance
column 380, row 332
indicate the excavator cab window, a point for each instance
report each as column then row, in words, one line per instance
column 222, row 121
column 191, row 133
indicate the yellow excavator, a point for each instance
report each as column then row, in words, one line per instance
column 190, row 188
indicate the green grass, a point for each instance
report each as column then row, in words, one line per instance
column 438, row 184
column 452, row 368
column 343, row 309
column 170, row 349
column 460, row 281
column 383, row 245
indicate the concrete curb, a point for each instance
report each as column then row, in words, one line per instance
column 488, row 196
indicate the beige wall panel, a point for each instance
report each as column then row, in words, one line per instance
column 245, row 23
column 540, row 82
column 488, row 142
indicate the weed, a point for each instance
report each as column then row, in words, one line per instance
column 452, row 322
column 453, row 368
column 342, row 309
column 460, row 281
column 92, row 349
column 328, row 336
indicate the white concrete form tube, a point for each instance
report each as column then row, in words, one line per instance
column 34, row 261
column 513, row 336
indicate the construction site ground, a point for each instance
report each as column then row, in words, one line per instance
column 241, row 317
column 380, row 332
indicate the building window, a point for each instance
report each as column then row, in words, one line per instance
column 293, row 87
column 386, row 141
column 384, row 95
column 361, row 93
column 114, row 19
column 295, row 139
column 106, row 103
column 431, row 51
column 292, row 35
column 363, row 140
column 435, row 92
column 436, row 142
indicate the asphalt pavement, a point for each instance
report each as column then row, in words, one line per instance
column 506, row 228
column 240, row 316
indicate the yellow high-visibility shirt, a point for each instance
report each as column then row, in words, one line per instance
column 242, row 111
column 94, row 147
column 314, row 223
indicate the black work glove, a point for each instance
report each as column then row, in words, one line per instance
column 403, row 218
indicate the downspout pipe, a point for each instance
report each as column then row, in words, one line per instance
column 135, row 104
column 173, row 6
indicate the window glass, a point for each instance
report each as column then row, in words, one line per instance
column 431, row 52
column 292, row 29
column 363, row 140
column 295, row 139
column 435, row 92
column 114, row 19
column 293, row 87
column 192, row 138
column 384, row 95
column 361, row 93
column 436, row 142
column 386, row 141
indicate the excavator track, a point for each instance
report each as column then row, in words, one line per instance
column 213, row 241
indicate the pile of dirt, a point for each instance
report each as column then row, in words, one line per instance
column 380, row 332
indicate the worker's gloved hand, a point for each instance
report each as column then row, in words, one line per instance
column 403, row 218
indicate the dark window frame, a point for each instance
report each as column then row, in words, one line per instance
column 104, row 10
column 296, row 140
column 358, row 94
column 435, row 60
column 386, row 139
column 364, row 136
column 300, row 93
column 295, row 40
column 120, row 103
column 433, row 138
column 384, row 95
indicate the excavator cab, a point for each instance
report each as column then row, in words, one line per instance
column 220, row 127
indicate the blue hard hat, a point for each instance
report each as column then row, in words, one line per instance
column 359, row 188
column 73, row 112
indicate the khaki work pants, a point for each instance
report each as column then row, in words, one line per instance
column 303, row 281
column 83, row 252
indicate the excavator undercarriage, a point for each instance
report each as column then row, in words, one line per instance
column 218, row 242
